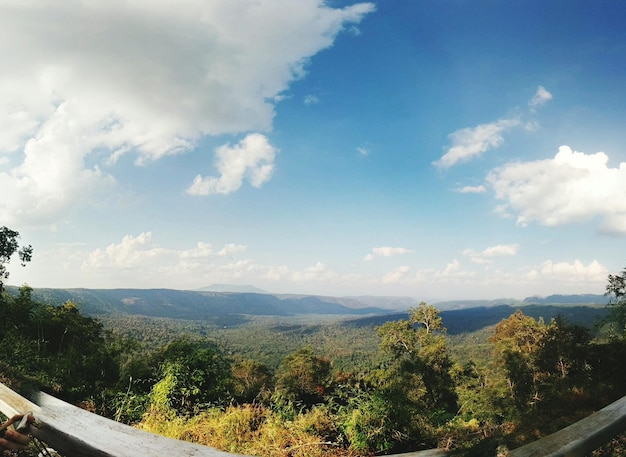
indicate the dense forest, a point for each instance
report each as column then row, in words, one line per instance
column 297, row 386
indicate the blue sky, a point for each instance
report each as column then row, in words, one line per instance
column 437, row 150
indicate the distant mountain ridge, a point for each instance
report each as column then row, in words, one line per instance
column 209, row 305
column 587, row 299
column 196, row 305
column 243, row 288
column 467, row 320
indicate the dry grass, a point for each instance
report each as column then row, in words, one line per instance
column 254, row 430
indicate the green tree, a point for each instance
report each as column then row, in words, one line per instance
column 616, row 291
column 9, row 245
column 303, row 376
column 250, row 380
column 419, row 350
column 74, row 350
column 517, row 340
column 563, row 350
column 415, row 381
column 193, row 375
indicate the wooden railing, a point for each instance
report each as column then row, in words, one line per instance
column 582, row 437
column 74, row 432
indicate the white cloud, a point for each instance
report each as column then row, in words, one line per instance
column 201, row 251
column 473, row 189
column 317, row 272
column 141, row 254
column 252, row 158
column 470, row 142
column 131, row 252
column 311, row 100
column 231, row 249
column 451, row 268
column 483, row 257
column 53, row 175
column 501, row 250
column 572, row 187
column 396, row 275
column 81, row 81
column 142, row 261
column 147, row 264
column 452, row 273
column 386, row 251
column 575, row 272
column 362, row 151
column 541, row 97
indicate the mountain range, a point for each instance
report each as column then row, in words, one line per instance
column 203, row 304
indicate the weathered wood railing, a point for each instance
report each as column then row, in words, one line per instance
column 582, row 437
column 74, row 432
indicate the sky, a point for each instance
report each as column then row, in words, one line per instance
column 440, row 150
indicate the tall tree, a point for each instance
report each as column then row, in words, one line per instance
column 616, row 291
column 417, row 380
column 304, row 376
column 9, row 245
column 517, row 340
column 194, row 374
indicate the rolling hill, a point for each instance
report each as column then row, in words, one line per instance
column 197, row 305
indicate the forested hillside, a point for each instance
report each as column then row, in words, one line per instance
column 199, row 305
column 474, row 381
column 322, row 385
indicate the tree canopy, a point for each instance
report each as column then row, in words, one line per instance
column 616, row 291
column 9, row 246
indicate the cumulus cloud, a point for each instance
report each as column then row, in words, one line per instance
column 451, row 268
column 575, row 272
column 142, row 252
column 473, row 189
column 231, row 249
column 131, row 252
column 451, row 273
column 572, row 187
column 252, row 158
column 470, row 142
column 484, row 256
column 91, row 81
column 386, row 251
column 541, row 97
column 53, row 174
column 396, row 275
column 149, row 264
column 317, row 272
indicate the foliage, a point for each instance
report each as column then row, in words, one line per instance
column 366, row 423
column 415, row 381
column 58, row 348
column 517, row 340
column 274, row 395
column 419, row 358
column 194, row 374
column 9, row 246
column 256, row 430
column 616, row 290
column 304, row 377
column 251, row 380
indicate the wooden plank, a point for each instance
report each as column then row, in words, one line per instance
column 78, row 433
column 581, row 438
column 75, row 432
column 11, row 403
